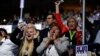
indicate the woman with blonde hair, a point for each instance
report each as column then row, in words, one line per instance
column 28, row 42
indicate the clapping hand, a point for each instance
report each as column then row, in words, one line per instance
column 53, row 35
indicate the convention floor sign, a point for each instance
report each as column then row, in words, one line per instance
column 81, row 50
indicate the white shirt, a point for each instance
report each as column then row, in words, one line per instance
column 51, row 51
column 7, row 47
column 97, row 40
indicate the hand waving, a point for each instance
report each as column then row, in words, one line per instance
column 57, row 3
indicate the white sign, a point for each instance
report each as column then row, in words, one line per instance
column 81, row 50
column 21, row 3
column 38, row 26
column 8, row 28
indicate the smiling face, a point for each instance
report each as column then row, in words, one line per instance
column 30, row 31
column 72, row 24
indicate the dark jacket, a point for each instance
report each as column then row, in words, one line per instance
column 74, row 39
column 43, row 34
column 19, row 41
column 92, row 29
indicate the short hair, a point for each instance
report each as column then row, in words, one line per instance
column 72, row 18
column 2, row 29
column 55, row 24
column 52, row 15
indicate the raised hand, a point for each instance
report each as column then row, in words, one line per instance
column 57, row 3
column 50, row 34
column 21, row 24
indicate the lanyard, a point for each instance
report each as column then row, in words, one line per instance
column 71, row 33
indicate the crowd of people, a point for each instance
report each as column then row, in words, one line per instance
column 58, row 37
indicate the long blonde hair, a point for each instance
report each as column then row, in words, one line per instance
column 24, row 47
column 29, row 46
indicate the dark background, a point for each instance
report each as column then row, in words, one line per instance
column 10, row 7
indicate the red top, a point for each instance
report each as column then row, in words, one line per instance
column 65, row 29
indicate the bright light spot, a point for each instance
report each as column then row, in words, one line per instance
column 97, row 14
column 4, row 20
